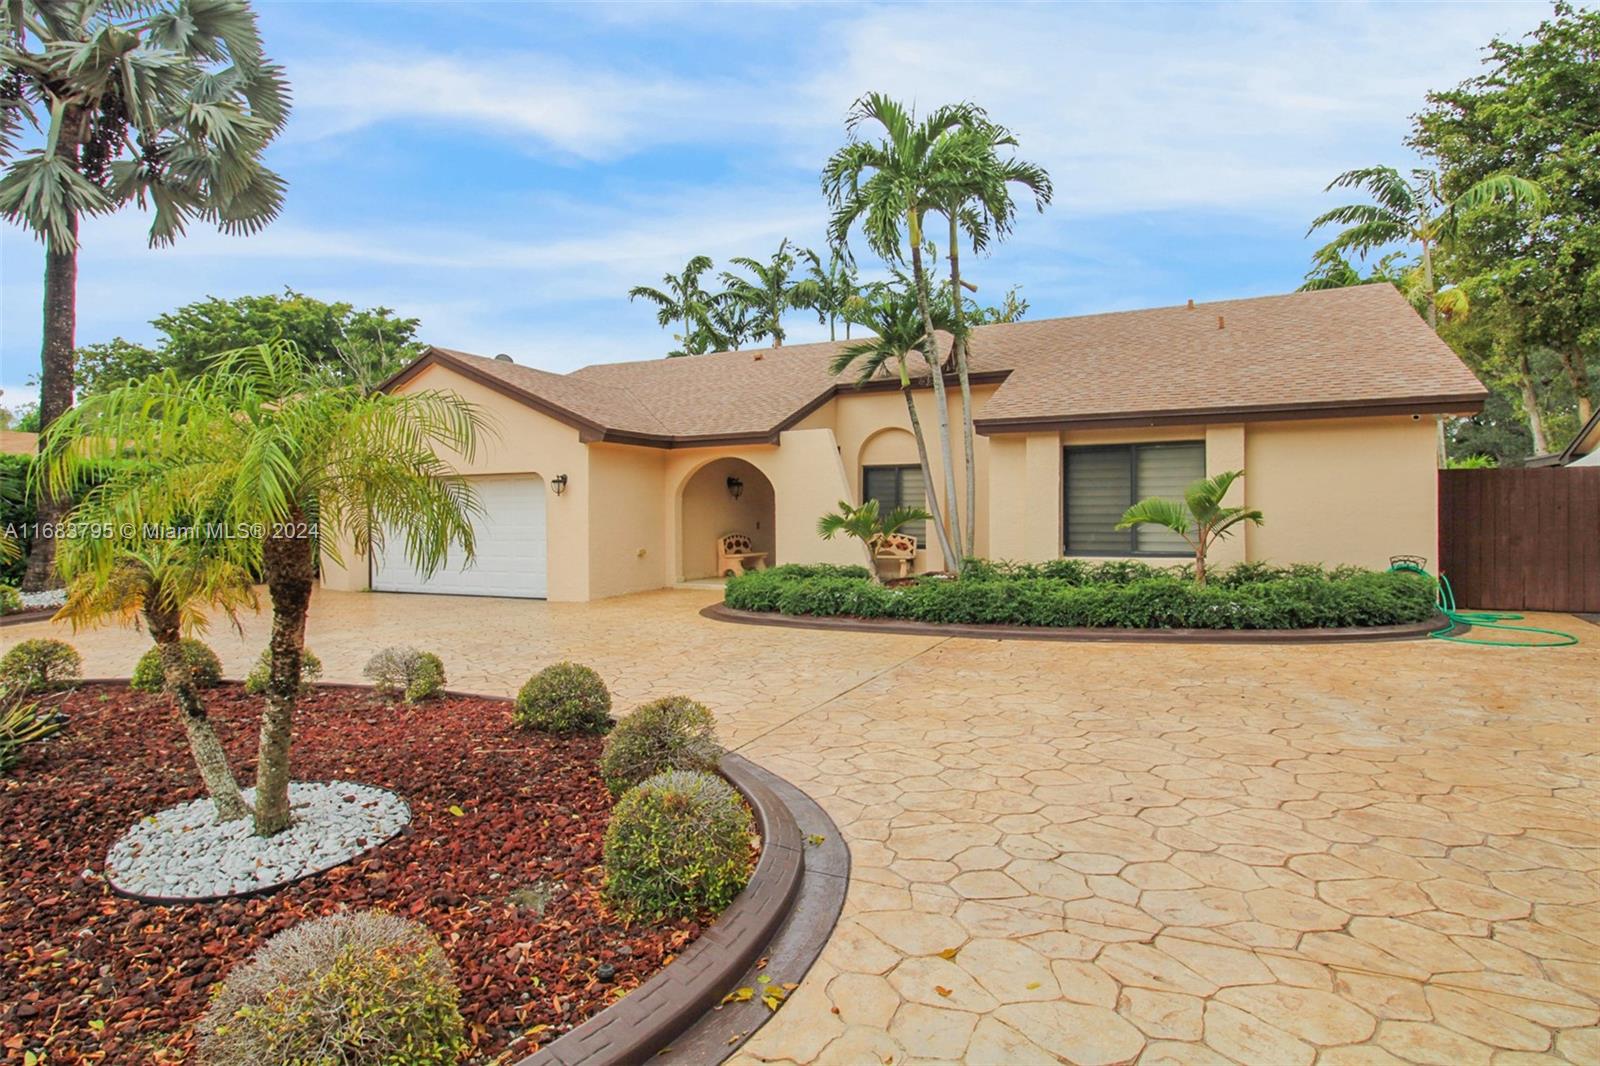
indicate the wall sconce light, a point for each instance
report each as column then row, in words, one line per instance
column 735, row 487
column 559, row 483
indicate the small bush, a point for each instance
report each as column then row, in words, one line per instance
column 564, row 698
column 678, row 845
column 10, row 600
column 39, row 665
column 207, row 668
column 674, row 733
column 21, row 724
column 255, row 682
column 401, row 672
column 364, row 988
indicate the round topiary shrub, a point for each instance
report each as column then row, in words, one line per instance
column 40, row 664
column 207, row 668
column 678, row 844
column 364, row 988
column 564, row 698
column 10, row 600
column 255, row 682
column 403, row 672
column 673, row 733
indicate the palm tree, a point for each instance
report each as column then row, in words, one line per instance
column 895, row 318
column 828, row 290
column 680, row 299
column 973, row 192
column 289, row 465
column 888, row 186
column 1198, row 518
column 725, row 325
column 164, row 106
column 769, row 292
column 866, row 525
column 169, row 583
column 1414, row 214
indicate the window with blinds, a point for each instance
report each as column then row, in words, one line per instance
column 897, row 486
column 1103, row 482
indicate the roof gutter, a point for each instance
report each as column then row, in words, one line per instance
column 1462, row 404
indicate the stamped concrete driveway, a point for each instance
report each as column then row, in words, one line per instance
column 1102, row 853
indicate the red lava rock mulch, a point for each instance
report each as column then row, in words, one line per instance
column 90, row 976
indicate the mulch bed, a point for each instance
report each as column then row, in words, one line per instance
column 90, row 976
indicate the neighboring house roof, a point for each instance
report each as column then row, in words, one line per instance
column 1582, row 450
column 1360, row 350
column 17, row 442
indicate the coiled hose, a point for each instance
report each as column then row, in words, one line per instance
column 1474, row 620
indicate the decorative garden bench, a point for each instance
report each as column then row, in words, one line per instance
column 896, row 548
column 735, row 557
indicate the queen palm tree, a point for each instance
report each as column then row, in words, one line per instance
column 164, row 105
column 973, row 192
column 169, row 583
column 828, row 289
column 680, row 299
column 769, row 291
column 287, row 464
column 888, row 186
column 895, row 318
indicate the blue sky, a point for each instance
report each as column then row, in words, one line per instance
column 505, row 172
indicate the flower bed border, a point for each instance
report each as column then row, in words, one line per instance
column 721, row 612
column 28, row 614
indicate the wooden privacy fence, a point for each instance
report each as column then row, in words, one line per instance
column 1521, row 540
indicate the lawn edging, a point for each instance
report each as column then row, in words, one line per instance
column 721, row 612
column 27, row 614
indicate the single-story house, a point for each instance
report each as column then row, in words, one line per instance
column 1582, row 450
column 622, row 477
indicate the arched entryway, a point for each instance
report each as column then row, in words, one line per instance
column 724, row 496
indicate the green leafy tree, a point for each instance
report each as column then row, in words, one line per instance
column 1533, row 112
column 1199, row 518
column 770, row 290
column 867, row 525
column 681, row 299
column 169, row 106
column 829, row 288
column 289, row 463
column 894, row 317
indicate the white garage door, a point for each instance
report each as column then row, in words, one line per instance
column 509, row 558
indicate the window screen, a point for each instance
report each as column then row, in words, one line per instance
column 1103, row 482
column 897, row 486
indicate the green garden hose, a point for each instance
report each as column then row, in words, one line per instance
column 1470, row 620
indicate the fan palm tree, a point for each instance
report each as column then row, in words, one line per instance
column 288, row 465
column 867, row 525
column 895, row 318
column 768, row 292
column 168, row 106
column 680, row 299
column 829, row 289
column 169, row 583
column 1199, row 518
column 888, row 186
column 1415, row 214
column 973, row 192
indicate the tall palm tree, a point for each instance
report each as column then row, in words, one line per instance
column 725, row 325
column 169, row 583
column 680, row 299
column 288, row 464
column 768, row 292
column 828, row 289
column 888, row 186
column 973, row 192
column 895, row 317
column 164, row 105
column 1413, row 213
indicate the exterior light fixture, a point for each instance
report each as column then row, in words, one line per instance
column 735, row 487
column 559, row 483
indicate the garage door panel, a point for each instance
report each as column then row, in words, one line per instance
column 510, row 557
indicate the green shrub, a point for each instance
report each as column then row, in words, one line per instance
column 10, row 598
column 678, row 845
column 40, row 664
column 564, row 698
column 207, row 668
column 363, row 988
column 401, row 672
column 255, row 682
column 673, row 733
column 21, row 724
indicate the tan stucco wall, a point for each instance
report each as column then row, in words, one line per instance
column 710, row 512
column 624, row 501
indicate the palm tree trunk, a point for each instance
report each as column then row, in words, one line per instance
column 287, row 566
column 1427, row 285
column 927, row 469
column 1530, row 405
column 178, row 678
column 1578, row 375
column 55, row 388
column 949, row 537
column 969, row 548
column 1200, row 565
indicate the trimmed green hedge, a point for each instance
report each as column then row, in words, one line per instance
column 1070, row 592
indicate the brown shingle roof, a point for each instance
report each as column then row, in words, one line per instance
column 1360, row 349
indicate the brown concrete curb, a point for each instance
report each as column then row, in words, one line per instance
column 721, row 612
column 27, row 614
